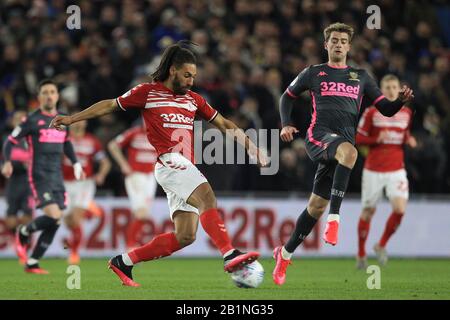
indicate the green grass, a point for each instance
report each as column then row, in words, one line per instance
column 204, row 279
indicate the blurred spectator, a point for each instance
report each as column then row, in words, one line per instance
column 248, row 50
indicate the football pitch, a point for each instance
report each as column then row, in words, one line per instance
column 185, row 279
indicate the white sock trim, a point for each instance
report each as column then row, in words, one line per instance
column 24, row 231
column 32, row 261
column 126, row 259
column 226, row 254
column 333, row 217
column 285, row 254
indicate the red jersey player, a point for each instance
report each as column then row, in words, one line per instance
column 81, row 192
column 138, row 169
column 168, row 108
column 384, row 168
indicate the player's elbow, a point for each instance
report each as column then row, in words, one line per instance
column 112, row 145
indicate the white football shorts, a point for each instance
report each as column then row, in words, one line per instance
column 179, row 177
column 80, row 192
column 374, row 183
column 141, row 189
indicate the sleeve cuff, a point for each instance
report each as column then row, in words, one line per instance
column 120, row 105
column 214, row 116
column 289, row 92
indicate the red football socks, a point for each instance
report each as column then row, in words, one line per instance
column 391, row 225
column 162, row 245
column 77, row 236
column 363, row 232
column 133, row 232
column 214, row 226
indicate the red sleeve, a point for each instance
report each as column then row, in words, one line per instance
column 204, row 110
column 363, row 135
column 123, row 139
column 134, row 98
column 365, row 140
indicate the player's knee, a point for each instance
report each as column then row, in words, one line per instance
column 347, row 155
column 208, row 200
column 68, row 220
column 316, row 209
column 185, row 239
column 367, row 214
column 140, row 213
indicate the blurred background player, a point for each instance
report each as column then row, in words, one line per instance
column 169, row 107
column 336, row 91
column 17, row 191
column 81, row 193
column 384, row 168
column 47, row 146
column 140, row 182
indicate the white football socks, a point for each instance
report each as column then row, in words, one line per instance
column 126, row 259
column 226, row 254
column 333, row 217
column 285, row 254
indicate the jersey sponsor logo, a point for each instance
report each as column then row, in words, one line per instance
column 51, row 136
column 176, row 117
column 353, row 76
column 339, row 89
column 177, row 126
column 47, row 196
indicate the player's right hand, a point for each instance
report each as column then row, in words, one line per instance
column 383, row 135
column 60, row 122
column 7, row 169
column 287, row 133
column 126, row 169
column 406, row 94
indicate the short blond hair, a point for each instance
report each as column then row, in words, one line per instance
column 338, row 27
column 389, row 77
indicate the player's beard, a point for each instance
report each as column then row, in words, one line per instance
column 178, row 88
column 49, row 107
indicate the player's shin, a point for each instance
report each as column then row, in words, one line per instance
column 340, row 183
column 391, row 226
column 162, row 245
column 45, row 239
column 133, row 232
column 40, row 223
column 305, row 223
column 363, row 232
column 214, row 226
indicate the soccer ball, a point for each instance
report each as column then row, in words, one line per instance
column 250, row 276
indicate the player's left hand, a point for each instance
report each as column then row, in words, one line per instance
column 78, row 171
column 260, row 155
column 406, row 94
column 99, row 179
column 60, row 122
column 411, row 142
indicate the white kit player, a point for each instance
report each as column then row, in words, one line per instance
column 81, row 192
column 168, row 108
column 138, row 168
column 384, row 168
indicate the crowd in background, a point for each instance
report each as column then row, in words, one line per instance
column 248, row 52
